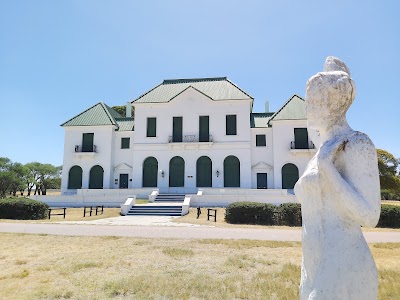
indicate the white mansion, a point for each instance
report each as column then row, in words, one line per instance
column 187, row 135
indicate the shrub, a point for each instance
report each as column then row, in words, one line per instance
column 390, row 195
column 22, row 209
column 390, row 216
column 289, row 214
column 250, row 213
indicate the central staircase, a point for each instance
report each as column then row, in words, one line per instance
column 163, row 205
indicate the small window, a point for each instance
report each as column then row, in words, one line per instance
column 125, row 143
column 87, row 142
column 151, row 127
column 260, row 140
column 231, row 125
column 301, row 138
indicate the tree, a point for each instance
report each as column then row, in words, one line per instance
column 6, row 176
column 388, row 170
column 19, row 172
column 33, row 179
column 122, row 110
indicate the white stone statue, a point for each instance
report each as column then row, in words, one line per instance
column 339, row 192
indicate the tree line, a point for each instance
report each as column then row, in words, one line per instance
column 16, row 177
column 389, row 175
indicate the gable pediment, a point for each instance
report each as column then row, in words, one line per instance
column 123, row 166
column 261, row 166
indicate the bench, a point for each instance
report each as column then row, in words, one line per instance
column 211, row 212
column 57, row 208
column 89, row 209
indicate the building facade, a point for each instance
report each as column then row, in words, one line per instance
column 185, row 135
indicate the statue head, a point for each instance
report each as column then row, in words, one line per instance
column 329, row 95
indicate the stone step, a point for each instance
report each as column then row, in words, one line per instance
column 154, row 214
column 170, row 198
column 156, row 210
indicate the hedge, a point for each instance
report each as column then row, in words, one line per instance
column 22, row 209
column 250, row 213
column 390, row 195
column 289, row 214
column 390, row 216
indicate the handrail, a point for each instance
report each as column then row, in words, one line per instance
column 294, row 145
column 189, row 138
column 80, row 149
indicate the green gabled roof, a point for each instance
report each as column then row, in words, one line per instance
column 218, row 88
column 125, row 124
column 260, row 120
column 293, row 109
column 98, row 114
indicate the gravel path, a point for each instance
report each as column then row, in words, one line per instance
column 199, row 232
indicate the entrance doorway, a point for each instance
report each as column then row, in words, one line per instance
column 262, row 181
column 123, row 181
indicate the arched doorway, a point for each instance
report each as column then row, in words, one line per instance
column 204, row 172
column 75, row 178
column 150, row 169
column 290, row 175
column 231, row 171
column 96, row 177
column 177, row 172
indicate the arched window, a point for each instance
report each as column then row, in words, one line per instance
column 290, row 175
column 75, row 178
column 150, row 169
column 204, row 172
column 96, row 177
column 231, row 171
column 177, row 172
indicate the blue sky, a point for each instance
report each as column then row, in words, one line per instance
column 58, row 58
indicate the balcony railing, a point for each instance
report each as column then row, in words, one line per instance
column 80, row 149
column 302, row 145
column 190, row 138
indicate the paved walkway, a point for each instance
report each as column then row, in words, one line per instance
column 165, row 221
column 199, row 232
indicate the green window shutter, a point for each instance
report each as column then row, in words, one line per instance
column 87, row 142
column 125, row 143
column 231, row 171
column 177, row 129
column 150, row 169
column 231, row 125
column 261, row 140
column 96, row 177
column 177, row 172
column 204, row 172
column 151, row 127
column 290, row 175
column 300, row 138
column 204, row 129
column 75, row 178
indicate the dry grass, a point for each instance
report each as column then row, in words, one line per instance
column 73, row 214
column 57, row 267
column 76, row 214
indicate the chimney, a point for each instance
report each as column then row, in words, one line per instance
column 128, row 112
column 266, row 106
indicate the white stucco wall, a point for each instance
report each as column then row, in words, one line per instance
column 262, row 158
column 189, row 105
column 283, row 135
column 103, row 139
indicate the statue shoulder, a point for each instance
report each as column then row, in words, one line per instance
column 357, row 145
